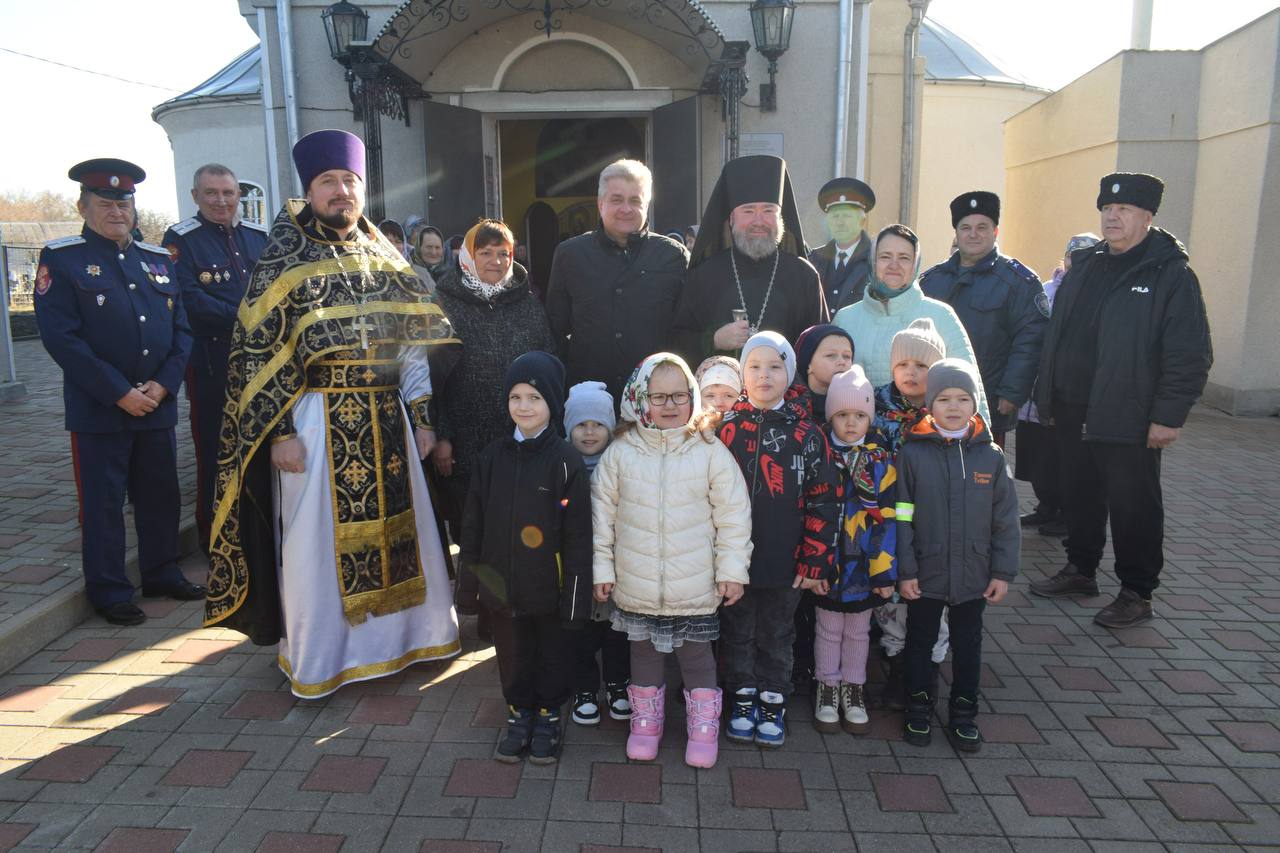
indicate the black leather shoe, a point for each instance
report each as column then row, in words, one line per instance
column 123, row 613
column 183, row 590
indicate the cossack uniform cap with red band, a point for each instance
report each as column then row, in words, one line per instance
column 108, row 177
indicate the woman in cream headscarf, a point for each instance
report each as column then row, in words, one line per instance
column 487, row 299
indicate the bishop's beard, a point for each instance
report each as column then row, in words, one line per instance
column 757, row 248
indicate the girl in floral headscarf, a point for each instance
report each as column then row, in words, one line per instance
column 671, row 524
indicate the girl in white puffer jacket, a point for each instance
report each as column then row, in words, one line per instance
column 671, row 524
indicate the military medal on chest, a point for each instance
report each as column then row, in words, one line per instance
column 93, row 270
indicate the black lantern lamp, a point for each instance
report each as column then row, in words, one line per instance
column 771, row 23
column 344, row 23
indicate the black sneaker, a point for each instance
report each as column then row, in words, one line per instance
column 586, row 709
column 1069, row 581
column 1127, row 610
column 962, row 724
column 619, row 704
column 515, row 740
column 544, row 748
column 917, row 728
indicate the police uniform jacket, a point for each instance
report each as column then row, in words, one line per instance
column 112, row 319
column 1005, row 313
column 213, row 266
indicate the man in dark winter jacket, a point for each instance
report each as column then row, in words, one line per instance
column 1000, row 302
column 1126, row 356
column 613, row 291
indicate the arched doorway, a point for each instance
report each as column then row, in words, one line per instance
column 514, row 92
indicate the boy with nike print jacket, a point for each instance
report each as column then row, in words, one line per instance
column 795, row 507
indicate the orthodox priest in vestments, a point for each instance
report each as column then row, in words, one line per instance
column 323, row 535
column 748, row 271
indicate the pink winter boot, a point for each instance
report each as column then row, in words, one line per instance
column 647, row 711
column 703, row 707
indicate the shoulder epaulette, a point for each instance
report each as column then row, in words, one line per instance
column 63, row 242
column 152, row 247
column 185, row 226
column 256, row 227
column 1022, row 270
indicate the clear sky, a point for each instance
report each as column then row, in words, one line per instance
column 57, row 117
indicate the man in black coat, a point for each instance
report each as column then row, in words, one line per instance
column 844, row 262
column 613, row 291
column 1126, row 356
column 1000, row 302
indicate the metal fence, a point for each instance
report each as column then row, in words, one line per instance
column 18, row 263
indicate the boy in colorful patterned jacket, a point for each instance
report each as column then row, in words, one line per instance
column 795, row 505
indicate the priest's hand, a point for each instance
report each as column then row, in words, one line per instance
column 731, row 336
column 442, row 457
column 289, row 456
column 426, row 440
column 136, row 403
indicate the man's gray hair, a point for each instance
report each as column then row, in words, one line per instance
column 628, row 170
column 215, row 169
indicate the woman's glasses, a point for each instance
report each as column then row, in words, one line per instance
column 677, row 399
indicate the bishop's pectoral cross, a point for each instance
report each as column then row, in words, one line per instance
column 364, row 327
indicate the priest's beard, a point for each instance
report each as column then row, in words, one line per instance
column 757, row 248
column 339, row 220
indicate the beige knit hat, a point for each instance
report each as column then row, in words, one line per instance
column 919, row 341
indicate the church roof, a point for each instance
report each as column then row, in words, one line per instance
column 951, row 59
column 241, row 79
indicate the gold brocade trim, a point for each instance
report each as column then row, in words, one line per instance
column 367, row 671
column 337, row 312
column 420, row 412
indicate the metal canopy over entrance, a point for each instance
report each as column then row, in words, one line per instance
column 422, row 32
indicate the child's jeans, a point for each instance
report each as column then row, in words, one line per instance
column 840, row 646
column 924, row 615
column 533, row 660
column 697, row 665
column 599, row 636
column 756, row 634
column 892, row 617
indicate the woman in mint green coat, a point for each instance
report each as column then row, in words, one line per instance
column 893, row 299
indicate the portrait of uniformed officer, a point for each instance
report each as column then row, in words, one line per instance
column 110, row 314
column 844, row 262
column 213, row 254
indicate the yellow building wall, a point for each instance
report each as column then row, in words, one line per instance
column 961, row 149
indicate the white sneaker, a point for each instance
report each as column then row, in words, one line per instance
column 826, row 711
column 853, row 709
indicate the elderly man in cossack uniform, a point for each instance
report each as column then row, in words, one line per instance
column 111, row 315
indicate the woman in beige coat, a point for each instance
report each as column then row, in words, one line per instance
column 671, row 524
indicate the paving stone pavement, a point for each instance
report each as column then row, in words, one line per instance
column 39, row 524
column 1165, row 737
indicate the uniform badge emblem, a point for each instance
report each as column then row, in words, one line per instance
column 1115, row 188
column 43, row 280
column 173, row 252
column 93, row 270
column 102, row 300
column 973, row 202
column 169, row 302
column 115, row 181
column 1042, row 303
column 206, row 277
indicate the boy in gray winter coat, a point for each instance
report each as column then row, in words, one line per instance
column 958, row 547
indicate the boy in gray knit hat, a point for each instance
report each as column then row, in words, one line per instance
column 958, row 545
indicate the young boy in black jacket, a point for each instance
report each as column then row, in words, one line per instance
column 526, row 555
column 795, row 508
column 959, row 543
